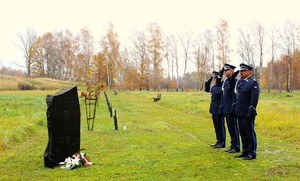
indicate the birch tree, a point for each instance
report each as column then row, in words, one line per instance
column 87, row 50
column 110, row 47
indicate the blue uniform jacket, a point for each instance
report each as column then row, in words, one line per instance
column 216, row 93
column 228, row 96
column 247, row 93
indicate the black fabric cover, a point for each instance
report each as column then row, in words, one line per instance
column 63, row 118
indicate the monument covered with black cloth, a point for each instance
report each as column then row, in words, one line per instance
column 63, row 121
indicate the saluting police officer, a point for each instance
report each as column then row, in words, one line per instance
column 227, row 107
column 247, row 93
column 218, row 120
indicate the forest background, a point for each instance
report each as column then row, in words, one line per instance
column 154, row 59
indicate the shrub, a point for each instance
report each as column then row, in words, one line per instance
column 25, row 86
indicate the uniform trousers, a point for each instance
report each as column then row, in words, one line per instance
column 218, row 121
column 248, row 135
column 233, row 131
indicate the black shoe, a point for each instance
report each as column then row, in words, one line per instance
column 213, row 145
column 219, row 146
column 228, row 150
column 234, row 150
column 243, row 155
column 249, row 157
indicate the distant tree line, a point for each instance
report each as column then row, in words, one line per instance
column 152, row 59
column 10, row 71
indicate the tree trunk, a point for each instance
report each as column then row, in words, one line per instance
column 288, row 85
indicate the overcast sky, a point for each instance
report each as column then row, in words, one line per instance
column 129, row 15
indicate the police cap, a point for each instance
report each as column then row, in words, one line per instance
column 228, row 66
column 215, row 74
column 245, row 67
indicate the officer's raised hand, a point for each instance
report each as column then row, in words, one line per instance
column 221, row 72
column 207, row 84
column 235, row 74
column 232, row 78
column 210, row 79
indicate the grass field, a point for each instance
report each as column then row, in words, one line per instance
column 166, row 140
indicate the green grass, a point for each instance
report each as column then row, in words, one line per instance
column 20, row 115
column 166, row 140
column 279, row 115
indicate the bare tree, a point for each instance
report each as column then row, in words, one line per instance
column 210, row 44
column 280, row 72
column 167, row 56
column 246, row 48
column 28, row 39
column 185, row 41
column 140, row 54
column 293, row 37
column 222, row 40
column 197, row 51
column 130, row 70
column 155, row 45
column 274, row 48
column 288, row 40
column 174, row 52
column 259, row 34
column 68, row 48
column 201, row 55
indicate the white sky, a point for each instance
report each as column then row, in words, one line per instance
column 129, row 15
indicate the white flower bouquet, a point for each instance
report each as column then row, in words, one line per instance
column 76, row 161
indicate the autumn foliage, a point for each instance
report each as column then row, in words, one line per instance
column 153, row 59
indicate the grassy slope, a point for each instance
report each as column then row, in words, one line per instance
column 11, row 83
column 167, row 140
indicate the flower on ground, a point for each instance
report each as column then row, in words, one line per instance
column 76, row 161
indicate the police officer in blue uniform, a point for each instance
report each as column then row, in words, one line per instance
column 247, row 93
column 227, row 107
column 218, row 121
